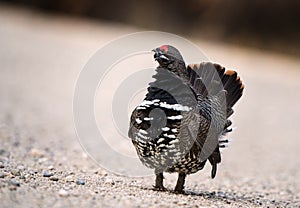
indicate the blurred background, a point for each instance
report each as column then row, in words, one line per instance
column 268, row 25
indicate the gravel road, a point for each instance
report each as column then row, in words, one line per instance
column 42, row 164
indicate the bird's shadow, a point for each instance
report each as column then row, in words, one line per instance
column 227, row 197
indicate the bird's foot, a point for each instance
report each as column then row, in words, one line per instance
column 159, row 188
column 179, row 190
column 159, row 182
column 180, row 183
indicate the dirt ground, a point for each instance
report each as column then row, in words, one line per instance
column 42, row 163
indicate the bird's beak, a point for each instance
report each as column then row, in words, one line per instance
column 156, row 55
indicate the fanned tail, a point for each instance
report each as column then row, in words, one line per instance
column 208, row 79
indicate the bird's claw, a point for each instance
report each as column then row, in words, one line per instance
column 179, row 191
column 159, row 188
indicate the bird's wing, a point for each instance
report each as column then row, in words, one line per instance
column 137, row 122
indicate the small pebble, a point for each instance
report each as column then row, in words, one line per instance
column 70, row 178
column 2, row 175
column 20, row 167
column 47, row 174
column 110, row 181
column 42, row 160
column 53, row 178
column 1, row 165
column 15, row 172
column 22, row 177
column 80, row 182
column 100, row 172
column 212, row 193
column 63, row 193
column 182, row 203
column 51, row 167
column 14, row 182
column 31, row 172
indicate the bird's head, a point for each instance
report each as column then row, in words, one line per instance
column 168, row 56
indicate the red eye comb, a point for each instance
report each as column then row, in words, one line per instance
column 164, row 48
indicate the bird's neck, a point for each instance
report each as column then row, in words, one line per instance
column 179, row 68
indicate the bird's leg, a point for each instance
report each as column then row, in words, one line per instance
column 180, row 183
column 159, row 182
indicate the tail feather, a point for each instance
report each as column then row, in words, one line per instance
column 214, row 159
column 212, row 79
column 234, row 87
column 206, row 78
